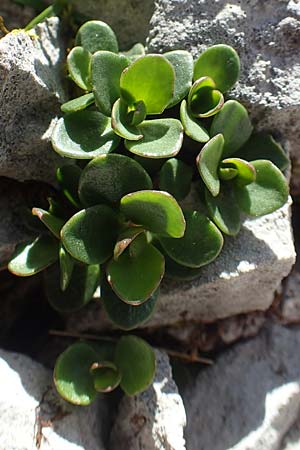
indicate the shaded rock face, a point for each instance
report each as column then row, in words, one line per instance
column 128, row 18
column 32, row 415
column 265, row 34
column 14, row 15
column 31, row 93
column 250, row 398
column 153, row 420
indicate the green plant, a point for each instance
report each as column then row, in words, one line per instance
column 152, row 126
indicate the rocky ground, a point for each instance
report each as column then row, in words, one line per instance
column 233, row 382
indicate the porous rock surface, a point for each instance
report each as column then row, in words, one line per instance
column 266, row 34
column 31, row 93
column 32, row 415
column 153, row 420
column 250, row 398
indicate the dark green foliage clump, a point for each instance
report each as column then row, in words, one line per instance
column 118, row 221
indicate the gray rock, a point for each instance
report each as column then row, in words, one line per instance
column 250, row 397
column 265, row 34
column 242, row 279
column 32, row 416
column 128, row 18
column 153, row 420
column 31, row 93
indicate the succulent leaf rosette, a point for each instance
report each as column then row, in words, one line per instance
column 145, row 129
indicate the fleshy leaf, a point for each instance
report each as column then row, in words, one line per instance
column 33, row 257
column 108, row 178
column 221, row 63
column 246, row 173
column 105, row 375
column 192, row 126
column 123, row 315
column 179, row 272
column 84, row 135
column 263, row 146
column 157, row 211
column 68, row 178
column 227, row 173
column 267, row 193
column 162, row 138
column 152, row 166
column 183, row 65
column 53, row 223
column 125, row 239
column 234, row 123
column 120, row 123
column 78, row 104
column 204, row 100
column 90, row 234
column 72, row 377
column 200, row 245
column 79, row 67
column 66, row 264
column 106, row 71
column 95, row 35
column 135, row 52
column 208, row 162
column 80, row 290
column 137, row 113
column 151, row 79
column 224, row 210
column 136, row 361
column 175, row 177
column 135, row 279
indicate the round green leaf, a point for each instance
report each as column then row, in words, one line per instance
column 137, row 113
column 33, row 257
column 72, row 377
column 263, row 146
column 227, row 173
column 246, row 173
column 200, row 245
column 53, row 223
column 84, row 135
column 136, row 361
column 120, row 123
column 135, row 52
column 106, row 71
column 183, row 65
column 79, row 67
column 105, row 375
column 157, row 211
column 179, row 272
column 221, row 63
column 224, row 210
column 96, row 35
column 125, row 239
column 66, row 263
column 150, row 79
column 80, row 289
column 68, row 179
column 135, row 278
column 175, row 177
column 90, row 234
column 204, row 100
column 125, row 316
column 78, row 104
column 266, row 194
column 208, row 162
column 162, row 138
column 234, row 123
column 191, row 125
column 108, row 178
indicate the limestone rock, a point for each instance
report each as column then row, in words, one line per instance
column 153, row 420
column 265, row 34
column 31, row 93
column 250, row 397
column 32, row 416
